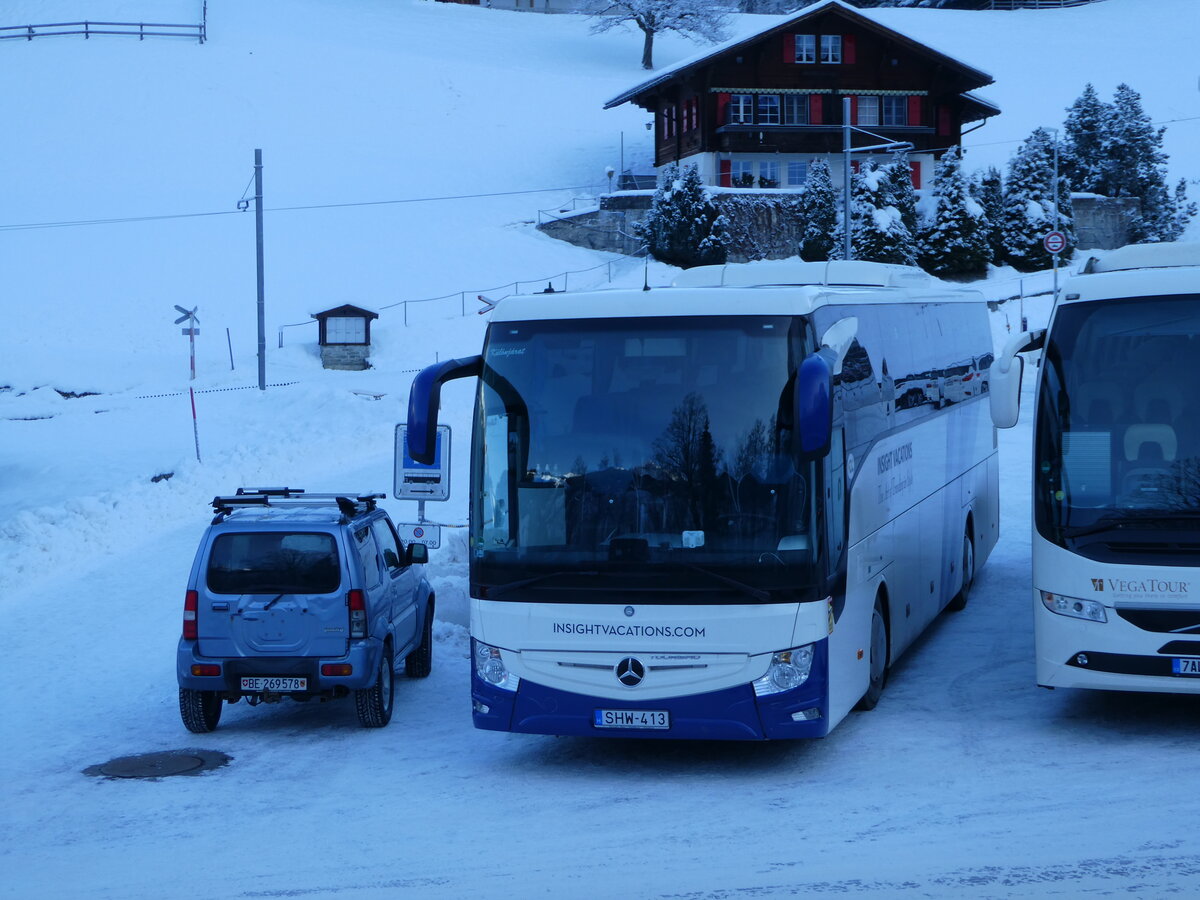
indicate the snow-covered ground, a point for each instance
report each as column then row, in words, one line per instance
column 965, row 781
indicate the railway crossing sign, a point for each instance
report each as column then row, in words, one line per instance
column 1055, row 242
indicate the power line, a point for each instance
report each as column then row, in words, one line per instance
column 26, row 226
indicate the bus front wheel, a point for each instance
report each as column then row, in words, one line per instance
column 879, row 657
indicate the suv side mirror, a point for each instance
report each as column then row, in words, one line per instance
column 417, row 553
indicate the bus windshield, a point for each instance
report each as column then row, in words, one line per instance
column 650, row 455
column 1118, row 426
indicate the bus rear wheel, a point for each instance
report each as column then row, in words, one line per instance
column 959, row 601
column 879, row 658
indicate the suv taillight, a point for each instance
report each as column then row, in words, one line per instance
column 191, row 603
column 358, row 614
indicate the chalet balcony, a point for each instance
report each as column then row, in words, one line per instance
column 759, row 138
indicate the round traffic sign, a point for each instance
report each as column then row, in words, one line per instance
column 418, row 532
column 1055, row 242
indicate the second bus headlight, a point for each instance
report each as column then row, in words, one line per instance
column 789, row 669
column 490, row 667
column 1074, row 607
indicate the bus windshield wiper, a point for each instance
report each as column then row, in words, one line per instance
column 757, row 593
column 1132, row 520
column 499, row 590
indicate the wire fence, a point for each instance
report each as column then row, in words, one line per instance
column 489, row 296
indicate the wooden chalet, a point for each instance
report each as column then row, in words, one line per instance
column 757, row 111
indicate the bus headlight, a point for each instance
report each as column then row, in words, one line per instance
column 1074, row 607
column 789, row 669
column 490, row 667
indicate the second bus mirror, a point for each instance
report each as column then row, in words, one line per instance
column 1005, row 391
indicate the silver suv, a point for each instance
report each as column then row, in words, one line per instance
column 302, row 595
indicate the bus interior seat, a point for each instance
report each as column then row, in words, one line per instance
column 1150, row 449
column 1099, row 404
column 1153, row 443
column 1158, row 402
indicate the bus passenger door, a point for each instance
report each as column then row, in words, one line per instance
column 836, row 510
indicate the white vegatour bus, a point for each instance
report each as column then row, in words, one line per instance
column 1116, row 480
column 720, row 509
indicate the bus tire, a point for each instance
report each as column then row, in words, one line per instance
column 878, row 658
column 959, row 601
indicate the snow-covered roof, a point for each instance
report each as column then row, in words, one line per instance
column 850, row 12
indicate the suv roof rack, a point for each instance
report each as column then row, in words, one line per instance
column 349, row 503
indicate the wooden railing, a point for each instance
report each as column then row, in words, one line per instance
column 143, row 30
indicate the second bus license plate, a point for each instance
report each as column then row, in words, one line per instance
column 633, row 718
column 1186, row 665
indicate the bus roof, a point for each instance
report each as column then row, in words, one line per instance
column 769, row 287
column 1139, row 270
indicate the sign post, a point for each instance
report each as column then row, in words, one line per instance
column 1055, row 242
column 191, row 330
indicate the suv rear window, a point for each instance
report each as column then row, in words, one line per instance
column 274, row 563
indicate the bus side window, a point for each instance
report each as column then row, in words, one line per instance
column 835, row 499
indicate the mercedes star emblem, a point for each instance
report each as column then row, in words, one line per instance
column 630, row 672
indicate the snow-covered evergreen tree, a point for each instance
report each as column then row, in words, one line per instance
column 1184, row 210
column 956, row 242
column 987, row 188
column 683, row 226
column 899, row 187
column 697, row 19
column 878, row 230
column 819, row 209
column 1029, row 212
column 1137, row 166
column 1083, row 158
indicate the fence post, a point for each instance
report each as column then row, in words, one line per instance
column 463, row 302
column 86, row 35
column 405, row 305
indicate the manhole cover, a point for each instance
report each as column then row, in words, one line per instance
column 160, row 765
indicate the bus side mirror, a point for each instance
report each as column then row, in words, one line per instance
column 814, row 406
column 424, row 400
column 1005, row 375
column 1004, row 388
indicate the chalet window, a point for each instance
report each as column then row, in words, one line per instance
column 768, row 174
column 806, row 48
column 795, row 109
column 670, row 122
column 345, row 330
column 868, row 110
column 831, row 48
column 691, row 114
column 768, row 109
column 797, row 173
column 742, row 173
column 895, row 111
column 741, row 109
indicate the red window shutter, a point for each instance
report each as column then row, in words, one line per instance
column 914, row 110
column 726, row 173
column 815, row 113
column 853, row 110
column 944, row 120
column 854, row 166
column 722, row 102
column 849, row 50
column 916, row 174
column 789, row 48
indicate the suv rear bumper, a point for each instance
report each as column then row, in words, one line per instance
column 362, row 656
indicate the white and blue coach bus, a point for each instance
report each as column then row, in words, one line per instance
column 721, row 509
column 1116, row 473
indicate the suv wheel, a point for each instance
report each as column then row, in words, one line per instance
column 375, row 703
column 419, row 663
column 200, row 710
